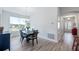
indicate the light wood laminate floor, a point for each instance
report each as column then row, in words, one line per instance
column 43, row 45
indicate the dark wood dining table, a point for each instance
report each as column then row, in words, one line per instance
column 27, row 32
column 31, row 35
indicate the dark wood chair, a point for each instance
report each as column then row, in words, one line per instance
column 33, row 36
column 75, row 44
column 22, row 36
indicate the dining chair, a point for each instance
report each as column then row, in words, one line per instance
column 33, row 36
column 75, row 46
column 22, row 36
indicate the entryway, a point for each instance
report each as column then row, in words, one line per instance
column 68, row 23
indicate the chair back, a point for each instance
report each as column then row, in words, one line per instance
column 4, row 41
column 35, row 33
column 22, row 34
column 1, row 29
column 74, row 31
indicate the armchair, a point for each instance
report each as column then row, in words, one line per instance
column 4, row 41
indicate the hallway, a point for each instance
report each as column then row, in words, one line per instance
column 68, row 39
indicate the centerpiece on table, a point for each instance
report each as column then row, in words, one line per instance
column 27, row 24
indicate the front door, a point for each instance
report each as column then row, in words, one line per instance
column 68, row 26
column 68, row 23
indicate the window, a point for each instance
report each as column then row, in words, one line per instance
column 58, row 23
column 17, row 23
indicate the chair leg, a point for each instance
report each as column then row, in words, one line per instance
column 37, row 41
column 27, row 40
column 77, row 47
column 9, row 48
column 21, row 40
column 73, row 47
column 32, row 42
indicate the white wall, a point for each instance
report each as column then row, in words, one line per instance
column 5, row 21
column 45, row 20
column 0, row 15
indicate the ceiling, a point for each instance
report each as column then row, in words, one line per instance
column 18, row 10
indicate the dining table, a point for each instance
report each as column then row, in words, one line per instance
column 30, row 35
column 27, row 32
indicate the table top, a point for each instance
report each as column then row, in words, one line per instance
column 28, row 32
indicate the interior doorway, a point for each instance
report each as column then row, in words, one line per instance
column 68, row 26
column 68, row 23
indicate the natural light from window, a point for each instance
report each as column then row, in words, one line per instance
column 17, row 23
